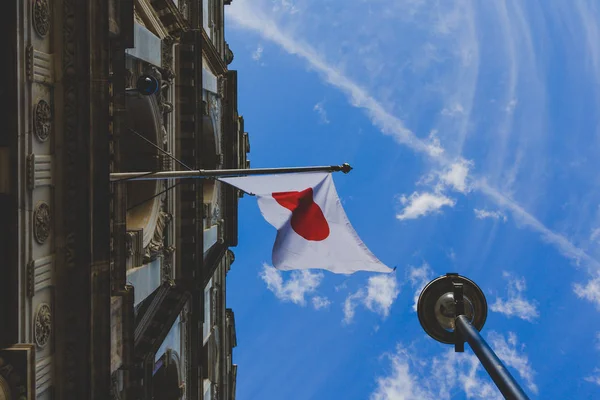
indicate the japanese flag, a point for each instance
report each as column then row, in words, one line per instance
column 312, row 228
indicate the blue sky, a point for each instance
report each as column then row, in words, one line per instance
column 473, row 131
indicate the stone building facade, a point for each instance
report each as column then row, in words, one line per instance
column 116, row 289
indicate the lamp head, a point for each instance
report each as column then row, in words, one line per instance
column 437, row 311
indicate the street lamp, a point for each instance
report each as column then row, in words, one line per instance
column 452, row 309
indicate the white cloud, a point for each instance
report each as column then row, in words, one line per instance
column 595, row 235
column 516, row 305
column 564, row 246
column 455, row 176
column 595, row 378
column 453, row 110
column 401, row 384
column 420, row 204
column 247, row 15
column 434, row 146
column 341, row 286
column 300, row 284
column 419, row 277
column 320, row 302
column 438, row 377
column 382, row 290
column 257, row 54
column 287, row 6
column 451, row 254
column 378, row 296
column 350, row 305
column 590, row 291
column 322, row 113
column 510, row 107
column 483, row 214
column 508, row 351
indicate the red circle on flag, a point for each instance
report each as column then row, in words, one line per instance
column 308, row 220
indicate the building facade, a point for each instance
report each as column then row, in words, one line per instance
column 117, row 289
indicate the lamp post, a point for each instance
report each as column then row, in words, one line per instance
column 452, row 309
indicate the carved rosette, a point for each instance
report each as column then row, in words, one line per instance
column 41, row 17
column 42, row 325
column 42, row 120
column 41, row 222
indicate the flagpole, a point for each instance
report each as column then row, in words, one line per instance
column 222, row 173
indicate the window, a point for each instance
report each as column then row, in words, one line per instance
column 206, row 16
column 206, row 327
column 207, row 390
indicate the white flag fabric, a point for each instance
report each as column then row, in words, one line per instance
column 313, row 230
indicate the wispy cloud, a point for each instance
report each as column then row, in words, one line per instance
column 455, row 175
column 438, row 377
column 287, row 6
column 509, row 351
column 594, row 378
column 350, row 305
column 419, row 277
column 589, row 291
column 453, row 110
column 257, row 54
column 510, row 107
column 294, row 289
column 250, row 17
column 595, row 235
column 320, row 302
column 516, row 305
column 483, row 214
column 320, row 109
column 563, row 245
column 382, row 290
column 378, row 296
column 421, row 204
column 247, row 15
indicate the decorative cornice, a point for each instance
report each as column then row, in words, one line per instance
column 212, row 56
column 151, row 20
column 170, row 17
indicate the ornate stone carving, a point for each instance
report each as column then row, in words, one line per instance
column 221, row 85
column 42, row 325
column 41, row 17
column 42, row 120
column 129, row 243
column 156, row 245
column 167, row 270
column 216, row 214
column 134, row 248
column 41, row 222
column 167, row 53
column 214, row 105
column 184, row 8
column 115, row 391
